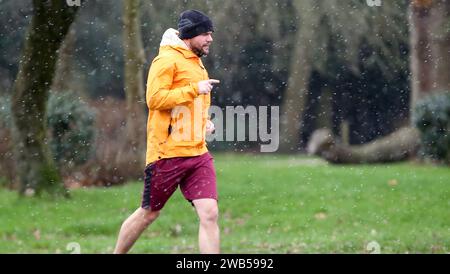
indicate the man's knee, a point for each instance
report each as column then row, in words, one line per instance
column 149, row 216
column 209, row 214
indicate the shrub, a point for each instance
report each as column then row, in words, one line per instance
column 71, row 125
column 432, row 117
column 71, row 133
column 111, row 165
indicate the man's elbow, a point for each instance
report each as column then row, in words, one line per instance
column 156, row 99
column 152, row 101
column 156, row 105
column 153, row 105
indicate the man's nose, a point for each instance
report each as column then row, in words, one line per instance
column 209, row 38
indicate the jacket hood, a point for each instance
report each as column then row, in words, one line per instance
column 170, row 38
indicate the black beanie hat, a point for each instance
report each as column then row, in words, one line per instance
column 193, row 23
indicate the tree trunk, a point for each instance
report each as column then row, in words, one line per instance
column 430, row 47
column 132, row 152
column 294, row 102
column 430, row 66
column 36, row 170
column 397, row 146
column 7, row 167
column 297, row 89
column 62, row 78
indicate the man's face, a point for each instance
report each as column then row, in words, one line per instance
column 200, row 43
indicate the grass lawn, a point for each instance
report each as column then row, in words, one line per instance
column 268, row 204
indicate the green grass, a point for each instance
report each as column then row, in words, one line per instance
column 268, row 204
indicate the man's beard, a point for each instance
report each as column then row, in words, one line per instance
column 199, row 51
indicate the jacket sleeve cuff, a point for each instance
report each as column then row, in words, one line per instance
column 194, row 87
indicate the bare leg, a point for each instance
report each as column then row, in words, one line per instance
column 208, row 234
column 133, row 227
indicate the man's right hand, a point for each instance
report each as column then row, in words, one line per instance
column 206, row 86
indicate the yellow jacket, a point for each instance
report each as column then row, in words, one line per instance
column 177, row 113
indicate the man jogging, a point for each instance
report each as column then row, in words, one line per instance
column 178, row 98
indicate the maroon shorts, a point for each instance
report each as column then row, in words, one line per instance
column 195, row 176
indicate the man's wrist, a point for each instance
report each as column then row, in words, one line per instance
column 195, row 89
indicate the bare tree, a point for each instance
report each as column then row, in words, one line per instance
column 36, row 170
column 430, row 44
column 351, row 22
column 300, row 70
column 132, row 152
